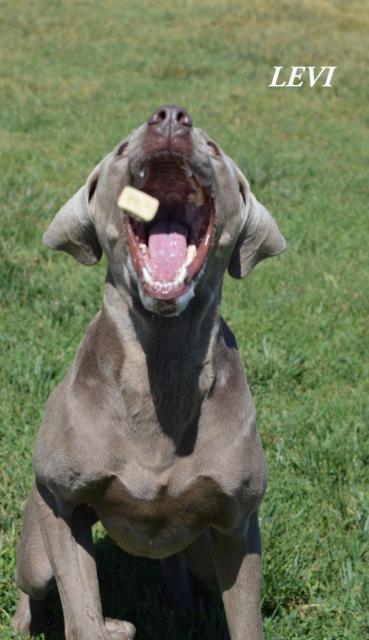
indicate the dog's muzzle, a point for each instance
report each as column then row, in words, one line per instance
column 169, row 253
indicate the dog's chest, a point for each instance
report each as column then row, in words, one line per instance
column 166, row 517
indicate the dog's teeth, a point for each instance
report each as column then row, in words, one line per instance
column 138, row 204
column 191, row 254
column 141, row 173
column 143, row 248
column 189, row 172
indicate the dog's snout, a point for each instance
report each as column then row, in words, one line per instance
column 169, row 129
column 170, row 120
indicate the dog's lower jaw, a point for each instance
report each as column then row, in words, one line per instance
column 168, row 308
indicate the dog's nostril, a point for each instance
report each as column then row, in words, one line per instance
column 170, row 116
column 184, row 119
column 159, row 116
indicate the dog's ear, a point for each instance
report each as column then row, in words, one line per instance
column 73, row 229
column 259, row 237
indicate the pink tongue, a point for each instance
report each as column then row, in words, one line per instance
column 167, row 249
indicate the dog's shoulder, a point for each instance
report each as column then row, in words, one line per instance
column 77, row 435
column 231, row 448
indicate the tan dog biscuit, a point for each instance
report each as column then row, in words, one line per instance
column 138, row 204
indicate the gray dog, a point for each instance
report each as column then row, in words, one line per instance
column 153, row 431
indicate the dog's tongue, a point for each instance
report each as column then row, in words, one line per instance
column 167, row 249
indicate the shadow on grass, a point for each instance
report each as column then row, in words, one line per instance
column 132, row 589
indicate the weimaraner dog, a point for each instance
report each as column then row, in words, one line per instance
column 152, row 431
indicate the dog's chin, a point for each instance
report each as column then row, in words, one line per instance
column 168, row 308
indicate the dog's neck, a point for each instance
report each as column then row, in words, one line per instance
column 168, row 363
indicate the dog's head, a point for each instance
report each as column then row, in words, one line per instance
column 207, row 220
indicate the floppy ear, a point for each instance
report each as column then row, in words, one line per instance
column 73, row 230
column 259, row 237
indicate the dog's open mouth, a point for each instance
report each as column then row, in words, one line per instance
column 170, row 251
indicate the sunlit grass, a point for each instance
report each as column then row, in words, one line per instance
column 76, row 77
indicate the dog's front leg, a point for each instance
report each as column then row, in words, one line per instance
column 67, row 536
column 237, row 559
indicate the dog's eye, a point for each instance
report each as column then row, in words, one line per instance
column 242, row 191
column 214, row 147
column 122, row 148
column 92, row 189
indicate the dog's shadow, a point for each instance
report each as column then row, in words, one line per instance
column 133, row 589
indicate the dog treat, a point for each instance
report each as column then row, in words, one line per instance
column 138, row 204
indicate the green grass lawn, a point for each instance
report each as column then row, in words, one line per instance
column 78, row 75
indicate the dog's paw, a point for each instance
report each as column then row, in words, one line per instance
column 21, row 621
column 30, row 615
column 120, row 629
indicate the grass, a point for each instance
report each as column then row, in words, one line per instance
column 76, row 76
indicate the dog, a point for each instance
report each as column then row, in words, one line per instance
column 153, row 430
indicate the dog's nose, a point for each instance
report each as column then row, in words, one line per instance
column 170, row 120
